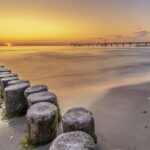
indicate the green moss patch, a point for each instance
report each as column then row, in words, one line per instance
column 54, row 128
column 94, row 137
column 1, row 95
column 59, row 115
column 12, row 115
column 26, row 144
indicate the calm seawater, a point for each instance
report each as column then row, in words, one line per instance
column 80, row 66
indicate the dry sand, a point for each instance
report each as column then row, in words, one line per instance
column 105, row 82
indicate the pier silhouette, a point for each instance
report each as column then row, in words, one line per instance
column 111, row 44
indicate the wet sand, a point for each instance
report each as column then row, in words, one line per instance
column 122, row 121
column 123, row 118
column 107, row 82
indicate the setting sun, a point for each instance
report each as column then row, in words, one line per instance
column 9, row 44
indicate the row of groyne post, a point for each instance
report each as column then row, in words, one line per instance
column 43, row 115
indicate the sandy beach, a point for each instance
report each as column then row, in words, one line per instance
column 112, row 83
column 123, row 118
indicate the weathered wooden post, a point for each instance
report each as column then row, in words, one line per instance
column 4, row 82
column 42, row 122
column 44, row 96
column 79, row 119
column 73, row 141
column 17, row 82
column 1, row 73
column 15, row 101
column 5, row 75
column 1, row 66
column 35, row 89
column 4, row 70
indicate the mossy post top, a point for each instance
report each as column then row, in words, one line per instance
column 9, row 79
column 44, row 96
column 73, row 141
column 1, row 66
column 2, row 73
column 4, row 70
column 8, row 75
column 17, row 87
column 34, row 89
column 41, row 110
column 17, row 82
column 77, row 114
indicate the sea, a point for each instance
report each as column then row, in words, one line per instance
column 78, row 75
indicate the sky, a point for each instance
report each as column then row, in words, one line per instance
column 65, row 21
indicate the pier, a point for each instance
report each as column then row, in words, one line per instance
column 111, row 44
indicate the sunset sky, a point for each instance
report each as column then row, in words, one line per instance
column 64, row 21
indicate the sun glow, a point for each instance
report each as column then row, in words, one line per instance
column 70, row 21
column 30, row 29
column 9, row 44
